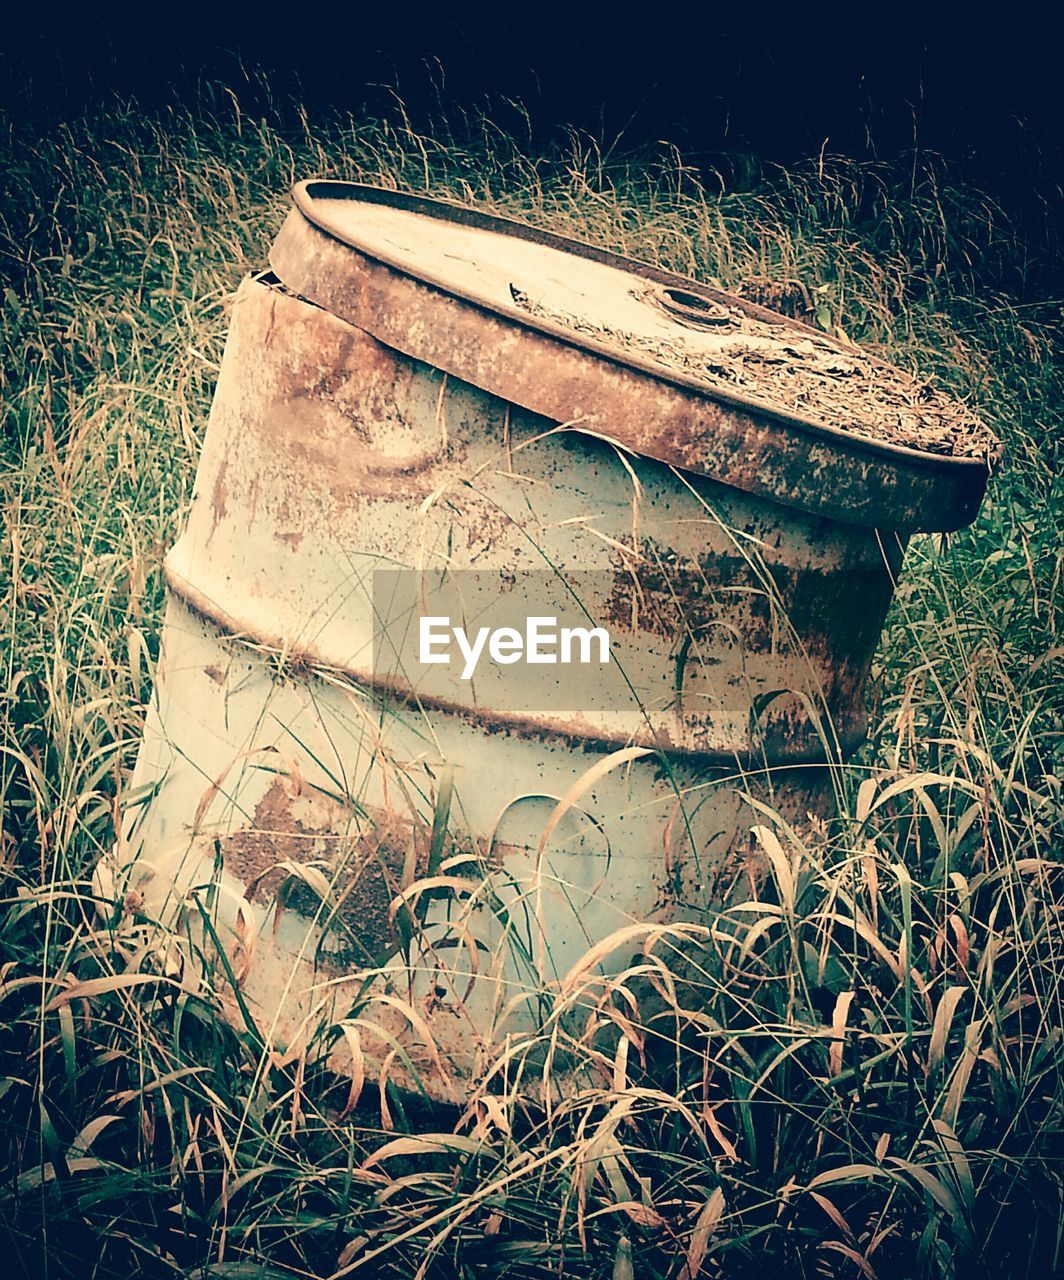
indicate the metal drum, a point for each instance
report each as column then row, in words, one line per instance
column 419, row 389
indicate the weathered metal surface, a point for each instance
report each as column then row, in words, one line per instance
column 323, row 454
column 271, row 773
column 600, row 372
column 303, row 782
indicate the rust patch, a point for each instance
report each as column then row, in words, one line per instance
column 366, row 867
column 220, row 494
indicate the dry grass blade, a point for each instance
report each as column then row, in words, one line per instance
column 698, row 1246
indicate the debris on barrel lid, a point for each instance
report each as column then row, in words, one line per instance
column 806, row 374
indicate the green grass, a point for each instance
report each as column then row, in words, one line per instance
column 140, row 1134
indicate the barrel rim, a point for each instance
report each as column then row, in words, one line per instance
column 306, row 192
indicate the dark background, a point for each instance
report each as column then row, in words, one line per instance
column 983, row 91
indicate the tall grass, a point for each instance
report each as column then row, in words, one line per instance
column 860, row 1074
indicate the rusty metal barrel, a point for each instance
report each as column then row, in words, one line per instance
column 417, row 388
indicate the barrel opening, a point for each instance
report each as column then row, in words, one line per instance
column 691, row 301
column 685, row 304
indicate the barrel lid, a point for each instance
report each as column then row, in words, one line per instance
column 737, row 392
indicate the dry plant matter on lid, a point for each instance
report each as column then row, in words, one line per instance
column 803, row 374
column 864, row 1076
